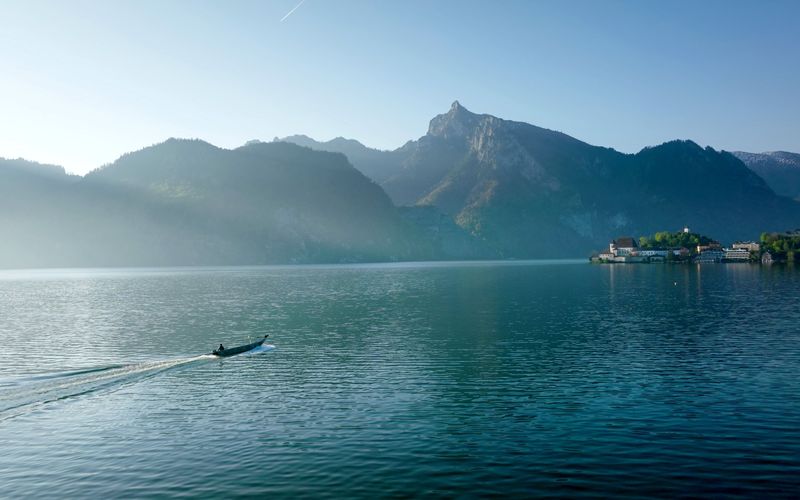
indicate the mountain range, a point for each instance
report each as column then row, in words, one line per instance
column 474, row 186
column 186, row 202
column 525, row 191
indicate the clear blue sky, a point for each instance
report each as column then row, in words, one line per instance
column 85, row 81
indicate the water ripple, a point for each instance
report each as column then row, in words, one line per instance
column 545, row 379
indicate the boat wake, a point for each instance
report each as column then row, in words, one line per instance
column 19, row 396
column 22, row 395
column 259, row 350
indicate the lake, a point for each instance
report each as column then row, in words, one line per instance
column 439, row 379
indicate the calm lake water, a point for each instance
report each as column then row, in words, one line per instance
column 461, row 379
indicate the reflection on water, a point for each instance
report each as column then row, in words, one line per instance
column 557, row 378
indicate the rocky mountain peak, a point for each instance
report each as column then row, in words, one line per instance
column 458, row 122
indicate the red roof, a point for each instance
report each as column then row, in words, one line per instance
column 625, row 242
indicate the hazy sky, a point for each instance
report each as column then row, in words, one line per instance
column 82, row 82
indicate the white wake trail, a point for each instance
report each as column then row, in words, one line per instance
column 19, row 398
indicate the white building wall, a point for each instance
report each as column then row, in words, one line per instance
column 737, row 254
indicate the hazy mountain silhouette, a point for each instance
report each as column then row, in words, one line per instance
column 376, row 164
column 188, row 202
column 474, row 186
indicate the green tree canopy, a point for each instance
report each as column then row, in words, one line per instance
column 781, row 242
column 666, row 239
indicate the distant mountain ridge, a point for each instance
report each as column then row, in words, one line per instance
column 474, row 186
column 187, row 202
column 780, row 169
column 376, row 164
column 529, row 192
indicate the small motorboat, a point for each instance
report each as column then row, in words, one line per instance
column 233, row 351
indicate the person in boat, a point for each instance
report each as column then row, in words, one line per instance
column 221, row 347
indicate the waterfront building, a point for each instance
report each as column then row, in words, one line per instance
column 681, row 252
column 750, row 246
column 623, row 246
column 737, row 254
column 714, row 245
column 654, row 252
column 629, row 259
column 770, row 257
column 710, row 255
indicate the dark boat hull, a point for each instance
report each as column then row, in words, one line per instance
column 237, row 350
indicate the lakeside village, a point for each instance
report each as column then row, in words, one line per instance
column 687, row 247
